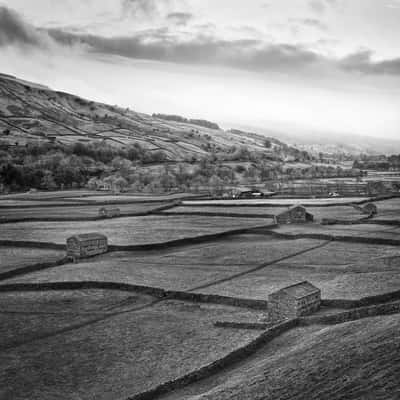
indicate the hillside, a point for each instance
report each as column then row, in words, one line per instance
column 54, row 140
column 30, row 112
column 354, row 360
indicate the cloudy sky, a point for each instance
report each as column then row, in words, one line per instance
column 293, row 65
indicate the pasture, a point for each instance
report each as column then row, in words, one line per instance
column 17, row 257
column 276, row 201
column 76, row 211
column 369, row 230
column 312, row 363
column 177, row 269
column 93, row 344
column 127, row 231
column 341, row 270
column 107, row 344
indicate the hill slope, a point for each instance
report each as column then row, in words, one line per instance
column 31, row 112
column 355, row 360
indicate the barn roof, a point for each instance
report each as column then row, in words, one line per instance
column 299, row 290
column 88, row 236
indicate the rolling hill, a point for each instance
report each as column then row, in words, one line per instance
column 30, row 112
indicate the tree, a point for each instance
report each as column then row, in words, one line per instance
column 216, row 185
column 48, row 181
column 120, row 183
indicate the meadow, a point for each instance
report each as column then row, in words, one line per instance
column 127, row 231
column 272, row 201
column 76, row 211
column 369, row 230
column 355, row 360
column 105, row 350
column 344, row 212
column 17, row 257
column 177, row 269
column 341, row 270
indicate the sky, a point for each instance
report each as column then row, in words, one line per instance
column 326, row 66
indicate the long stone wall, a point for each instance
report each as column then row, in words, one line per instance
column 218, row 365
column 354, row 314
column 149, row 290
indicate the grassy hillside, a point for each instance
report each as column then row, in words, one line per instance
column 355, row 360
column 55, row 140
column 30, row 112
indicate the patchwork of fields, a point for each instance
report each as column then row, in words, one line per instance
column 115, row 344
column 75, row 211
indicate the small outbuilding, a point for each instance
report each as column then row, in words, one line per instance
column 294, row 301
column 86, row 245
column 294, row 215
column 109, row 212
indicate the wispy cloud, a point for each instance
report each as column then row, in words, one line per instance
column 361, row 61
column 320, row 6
column 310, row 22
column 198, row 48
column 180, row 18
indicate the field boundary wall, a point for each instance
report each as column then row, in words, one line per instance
column 218, row 365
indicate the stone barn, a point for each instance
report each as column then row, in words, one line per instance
column 109, row 212
column 86, row 245
column 294, row 215
column 294, row 301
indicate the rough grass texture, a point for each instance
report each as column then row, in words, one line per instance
column 178, row 269
column 127, row 231
column 356, row 360
column 77, row 211
column 341, row 270
column 373, row 231
column 61, row 348
column 16, row 257
column 276, row 202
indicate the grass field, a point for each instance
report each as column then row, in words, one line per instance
column 340, row 212
column 230, row 209
column 77, row 211
column 70, row 350
column 341, row 270
column 59, row 194
column 16, row 257
column 355, row 360
column 389, row 209
column 359, row 230
column 136, row 197
column 178, row 269
column 127, row 231
column 325, row 201
column 9, row 203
